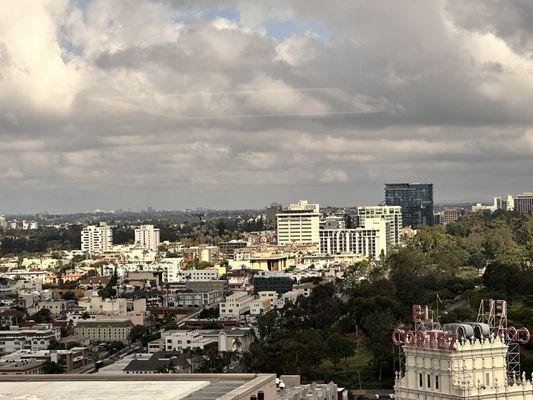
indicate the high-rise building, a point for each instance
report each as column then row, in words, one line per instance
column 523, row 203
column 3, row 223
column 147, row 236
column 299, row 224
column 96, row 239
column 392, row 215
column 368, row 242
column 416, row 200
column 271, row 212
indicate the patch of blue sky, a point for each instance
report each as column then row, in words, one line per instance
column 281, row 30
column 208, row 15
column 67, row 45
column 79, row 3
column 227, row 13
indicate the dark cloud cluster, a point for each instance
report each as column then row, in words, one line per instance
column 179, row 104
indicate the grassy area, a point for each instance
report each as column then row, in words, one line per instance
column 355, row 373
column 516, row 304
column 468, row 273
column 359, row 360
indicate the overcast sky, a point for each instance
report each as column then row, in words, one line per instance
column 232, row 104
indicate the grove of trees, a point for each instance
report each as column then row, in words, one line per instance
column 342, row 331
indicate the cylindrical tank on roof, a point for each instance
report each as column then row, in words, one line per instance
column 461, row 330
column 481, row 330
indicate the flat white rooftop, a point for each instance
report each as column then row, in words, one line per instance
column 119, row 386
column 116, row 390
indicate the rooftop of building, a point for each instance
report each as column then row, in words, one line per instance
column 90, row 323
column 22, row 332
column 158, row 361
column 20, row 366
column 134, row 387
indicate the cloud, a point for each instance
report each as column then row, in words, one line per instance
column 235, row 103
column 334, row 176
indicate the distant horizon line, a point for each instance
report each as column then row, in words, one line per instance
column 203, row 209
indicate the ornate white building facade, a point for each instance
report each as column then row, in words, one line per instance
column 463, row 361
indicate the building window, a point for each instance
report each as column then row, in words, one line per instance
column 487, row 379
column 436, row 381
column 420, row 380
column 429, row 381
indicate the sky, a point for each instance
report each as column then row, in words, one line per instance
column 234, row 104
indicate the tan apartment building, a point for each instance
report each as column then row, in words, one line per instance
column 115, row 330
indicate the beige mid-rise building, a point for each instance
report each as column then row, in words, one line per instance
column 112, row 330
column 299, row 224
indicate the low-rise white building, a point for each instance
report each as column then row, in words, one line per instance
column 201, row 298
column 180, row 340
column 227, row 340
column 56, row 307
column 264, row 302
column 120, row 306
column 236, row 305
column 27, row 339
column 27, row 275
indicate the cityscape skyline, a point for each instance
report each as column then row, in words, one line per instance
column 151, row 206
column 266, row 200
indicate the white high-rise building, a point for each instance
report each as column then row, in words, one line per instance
column 523, row 203
column 3, row 223
column 97, row 239
column 147, row 236
column 504, row 203
column 370, row 241
column 299, row 224
column 392, row 215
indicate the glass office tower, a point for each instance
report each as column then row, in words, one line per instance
column 416, row 200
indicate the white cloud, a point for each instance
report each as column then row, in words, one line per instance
column 334, row 176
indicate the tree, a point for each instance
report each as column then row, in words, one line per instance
column 42, row 316
column 406, row 266
column 116, row 345
column 109, row 290
column 51, row 367
column 377, row 328
column 69, row 295
column 137, row 332
column 502, row 278
column 55, row 345
column 209, row 313
column 339, row 347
